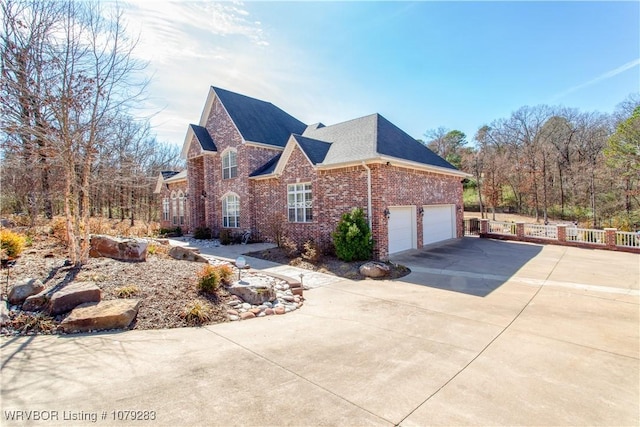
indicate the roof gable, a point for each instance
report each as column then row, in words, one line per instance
column 315, row 150
column 259, row 121
column 370, row 137
column 393, row 141
column 268, row 168
column 204, row 138
column 202, row 135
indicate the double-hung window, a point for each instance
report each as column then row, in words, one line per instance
column 174, row 208
column 229, row 164
column 181, row 206
column 300, row 202
column 165, row 209
column 231, row 211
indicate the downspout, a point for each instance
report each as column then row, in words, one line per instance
column 364, row 165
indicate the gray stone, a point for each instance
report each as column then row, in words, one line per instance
column 112, row 314
column 375, row 269
column 255, row 294
column 36, row 302
column 72, row 295
column 4, row 313
column 185, row 254
column 120, row 249
column 23, row 289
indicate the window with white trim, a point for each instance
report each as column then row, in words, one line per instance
column 165, row 209
column 231, row 211
column 300, row 202
column 174, row 208
column 229, row 164
column 181, row 205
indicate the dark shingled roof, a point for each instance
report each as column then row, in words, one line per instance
column 259, row 121
column 393, row 141
column 268, row 167
column 168, row 174
column 372, row 136
column 204, row 138
column 315, row 150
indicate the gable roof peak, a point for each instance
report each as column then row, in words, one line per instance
column 257, row 120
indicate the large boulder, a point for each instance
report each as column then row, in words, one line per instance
column 120, row 249
column 72, row 295
column 255, row 290
column 23, row 289
column 185, row 254
column 112, row 314
column 4, row 313
column 37, row 302
column 375, row 269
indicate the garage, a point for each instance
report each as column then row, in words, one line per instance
column 402, row 229
column 438, row 223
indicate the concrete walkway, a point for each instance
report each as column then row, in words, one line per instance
column 512, row 334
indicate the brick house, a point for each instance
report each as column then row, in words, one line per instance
column 171, row 186
column 252, row 166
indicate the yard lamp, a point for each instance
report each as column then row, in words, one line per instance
column 240, row 263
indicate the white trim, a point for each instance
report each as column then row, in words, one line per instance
column 396, row 162
column 263, row 145
column 180, row 176
column 187, row 143
column 369, row 208
column 159, row 183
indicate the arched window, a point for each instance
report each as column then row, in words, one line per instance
column 231, row 211
column 165, row 209
column 174, row 208
column 229, row 164
column 181, row 206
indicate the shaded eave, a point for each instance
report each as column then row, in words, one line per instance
column 393, row 161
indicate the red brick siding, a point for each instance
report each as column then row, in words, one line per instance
column 334, row 191
column 396, row 186
column 207, row 172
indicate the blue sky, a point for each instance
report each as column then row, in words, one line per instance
column 422, row 65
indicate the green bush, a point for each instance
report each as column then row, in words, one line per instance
column 209, row 279
column 202, row 233
column 171, row 232
column 225, row 237
column 352, row 238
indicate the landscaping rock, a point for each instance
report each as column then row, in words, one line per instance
column 185, row 254
column 72, row 295
column 247, row 315
column 23, row 289
column 253, row 293
column 36, row 302
column 4, row 313
column 112, row 314
column 375, row 269
column 120, row 249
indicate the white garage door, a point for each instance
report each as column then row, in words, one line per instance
column 439, row 223
column 401, row 229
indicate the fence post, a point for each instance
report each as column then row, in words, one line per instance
column 520, row 230
column 610, row 237
column 484, row 226
column 562, row 232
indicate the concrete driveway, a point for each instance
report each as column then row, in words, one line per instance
column 504, row 334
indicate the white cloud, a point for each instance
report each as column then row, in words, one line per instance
column 609, row 74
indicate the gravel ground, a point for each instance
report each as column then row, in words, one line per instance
column 166, row 286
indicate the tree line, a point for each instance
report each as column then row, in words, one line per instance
column 554, row 162
column 71, row 142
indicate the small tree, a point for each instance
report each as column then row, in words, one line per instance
column 352, row 238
